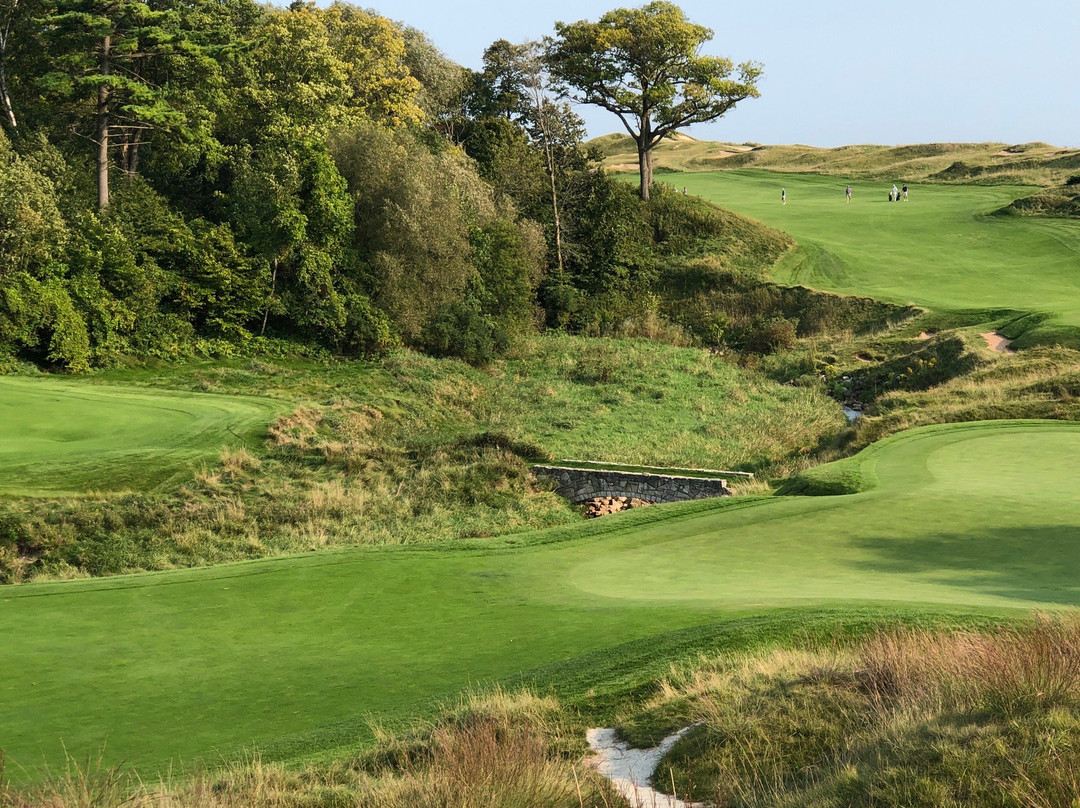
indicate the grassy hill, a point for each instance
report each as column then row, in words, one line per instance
column 408, row 450
column 983, row 163
column 942, row 250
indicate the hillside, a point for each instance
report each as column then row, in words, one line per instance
column 1017, row 164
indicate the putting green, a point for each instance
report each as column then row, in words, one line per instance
column 60, row 437
column 165, row 667
column 941, row 249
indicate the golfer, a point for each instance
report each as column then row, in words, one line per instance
column 905, row 193
column 783, row 196
column 847, row 193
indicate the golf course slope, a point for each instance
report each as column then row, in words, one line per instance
column 166, row 668
column 62, row 437
column 945, row 249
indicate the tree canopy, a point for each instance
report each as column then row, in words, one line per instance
column 644, row 65
column 225, row 177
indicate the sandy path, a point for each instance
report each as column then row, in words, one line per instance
column 631, row 770
column 996, row 342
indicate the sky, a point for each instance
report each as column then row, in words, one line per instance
column 838, row 72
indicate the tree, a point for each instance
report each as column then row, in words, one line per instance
column 105, row 50
column 644, row 65
column 9, row 10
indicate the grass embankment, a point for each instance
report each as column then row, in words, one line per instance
column 984, row 163
column 914, row 718
column 206, row 661
column 941, row 250
column 409, row 450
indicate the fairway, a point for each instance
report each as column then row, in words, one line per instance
column 942, row 249
column 61, row 437
column 167, row 667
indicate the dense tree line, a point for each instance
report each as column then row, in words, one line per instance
column 209, row 176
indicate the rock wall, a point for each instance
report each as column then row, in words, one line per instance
column 578, row 485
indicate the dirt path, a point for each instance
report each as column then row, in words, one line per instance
column 631, row 770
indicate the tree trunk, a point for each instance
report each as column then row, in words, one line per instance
column 270, row 299
column 549, row 154
column 129, row 156
column 103, row 129
column 645, row 166
column 5, row 98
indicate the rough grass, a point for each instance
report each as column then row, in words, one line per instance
column 909, row 718
column 496, row 750
column 418, row 450
column 950, row 376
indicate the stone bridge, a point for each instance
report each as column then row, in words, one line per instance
column 580, row 485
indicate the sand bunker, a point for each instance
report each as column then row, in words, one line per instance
column 926, row 335
column 631, row 770
column 996, row 342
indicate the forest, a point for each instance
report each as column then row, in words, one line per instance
column 224, row 178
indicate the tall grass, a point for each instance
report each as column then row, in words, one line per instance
column 908, row 718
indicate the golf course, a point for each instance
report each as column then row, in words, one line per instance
column 944, row 249
column 63, row 437
column 163, row 669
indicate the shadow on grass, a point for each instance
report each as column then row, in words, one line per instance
column 1031, row 564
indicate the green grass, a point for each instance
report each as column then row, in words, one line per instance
column 62, row 436
column 940, row 250
column 166, row 667
column 409, row 450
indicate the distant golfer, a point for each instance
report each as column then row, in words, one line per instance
column 783, row 196
column 904, row 191
column 895, row 195
column 847, row 193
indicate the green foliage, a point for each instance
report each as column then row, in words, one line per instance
column 33, row 233
column 645, row 65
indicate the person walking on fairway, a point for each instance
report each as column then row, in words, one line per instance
column 847, row 193
column 904, row 190
column 783, row 196
column 895, row 193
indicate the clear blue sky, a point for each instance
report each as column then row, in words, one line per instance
column 840, row 71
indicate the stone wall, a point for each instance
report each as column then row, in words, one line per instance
column 579, row 485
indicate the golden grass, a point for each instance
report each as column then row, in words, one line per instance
column 905, row 718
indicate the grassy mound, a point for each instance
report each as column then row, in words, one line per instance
column 63, row 437
column 1063, row 202
column 989, row 163
column 915, row 718
column 382, row 631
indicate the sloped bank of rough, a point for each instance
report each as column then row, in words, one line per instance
column 579, row 485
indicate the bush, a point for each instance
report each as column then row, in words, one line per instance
column 770, row 335
column 459, row 330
